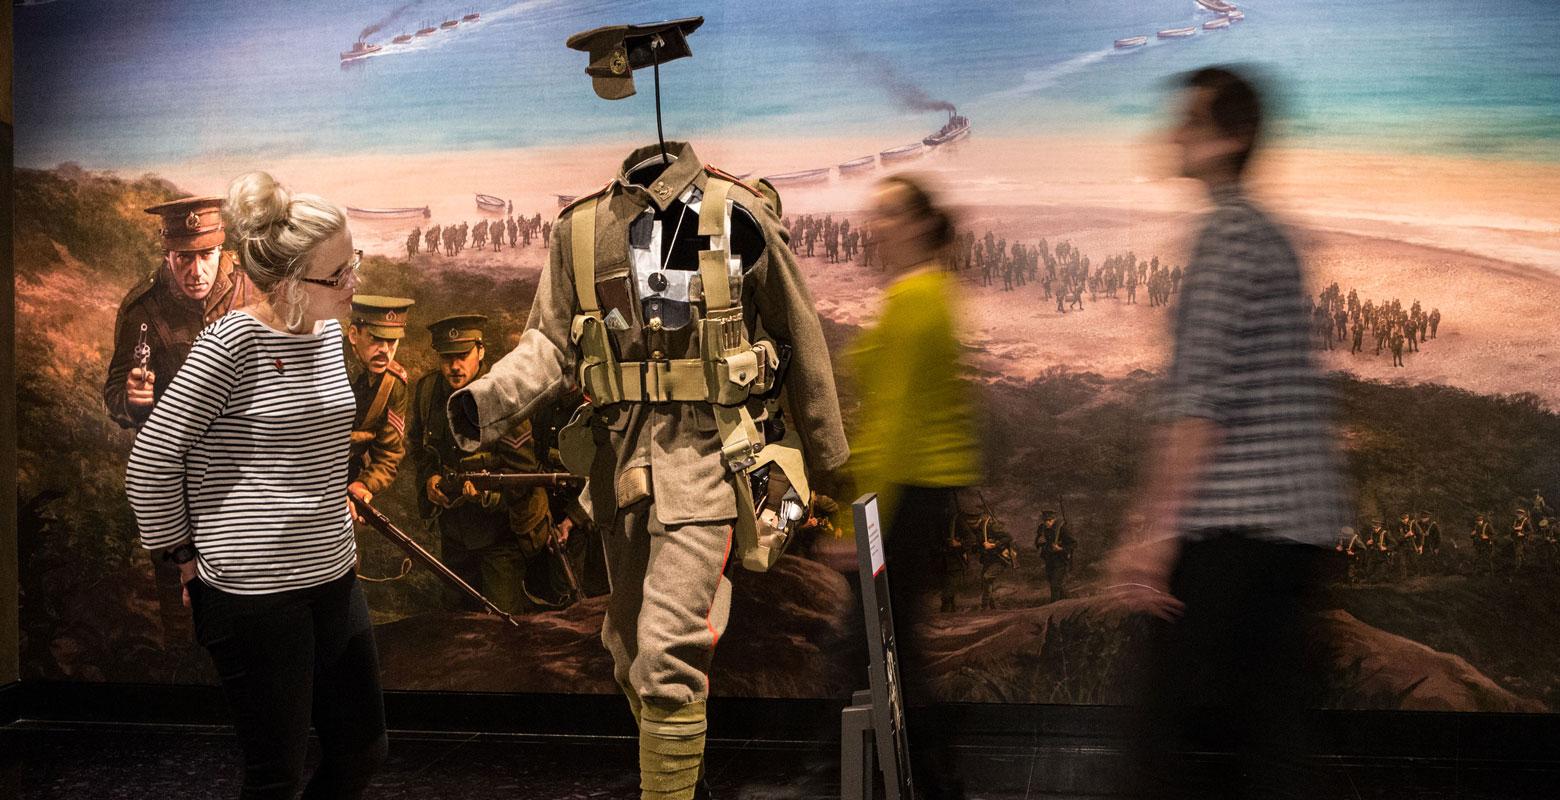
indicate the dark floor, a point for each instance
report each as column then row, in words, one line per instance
column 106, row 762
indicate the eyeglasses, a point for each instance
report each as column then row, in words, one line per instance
column 346, row 274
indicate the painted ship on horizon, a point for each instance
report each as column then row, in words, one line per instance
column 361, row 49
column 957, row 128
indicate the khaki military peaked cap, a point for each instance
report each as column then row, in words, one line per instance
column 191, row 224
column 384, row 317
column 617, row 50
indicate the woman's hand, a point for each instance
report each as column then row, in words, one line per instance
column 187, row 574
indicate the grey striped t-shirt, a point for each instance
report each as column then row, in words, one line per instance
column 1242, row 360
column 247, row 452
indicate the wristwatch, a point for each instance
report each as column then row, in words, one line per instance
column 183, row 554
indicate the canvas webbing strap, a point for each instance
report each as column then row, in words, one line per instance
column 583, row 227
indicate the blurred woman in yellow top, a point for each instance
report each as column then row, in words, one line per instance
column 916, row 443
column 917, row 428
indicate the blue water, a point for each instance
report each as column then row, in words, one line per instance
column 128, row 84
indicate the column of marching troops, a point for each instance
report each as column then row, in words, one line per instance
column 1339, row 319
column 1064, row 273
column 451, row 239
column 1414, row 546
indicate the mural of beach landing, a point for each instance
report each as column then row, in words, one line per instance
column 1415, row 164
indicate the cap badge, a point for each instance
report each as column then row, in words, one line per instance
column 619, row 63
column 192, row 221
column 391, row 316
column 454, row 334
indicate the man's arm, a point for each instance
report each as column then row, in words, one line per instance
column 777, row 292
column 425, row 462
column 536, row 371
column 389, row 445
column 1201, row 374
column 115, row 393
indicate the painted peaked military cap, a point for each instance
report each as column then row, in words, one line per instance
column 384, row 317
column 457, row 334
column 617, row 50
column 191, row 223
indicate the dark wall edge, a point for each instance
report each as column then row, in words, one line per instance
column 1467, row 737
column 10, row 703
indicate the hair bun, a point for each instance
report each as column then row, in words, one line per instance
column 256, row 201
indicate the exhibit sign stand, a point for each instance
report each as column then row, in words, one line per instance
column 875, row 720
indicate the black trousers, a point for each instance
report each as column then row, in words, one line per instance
column 287, row 659
column 1226, row 687
column 913, row 551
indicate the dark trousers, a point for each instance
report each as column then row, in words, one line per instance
column 913, row 550
column 1225, row 688
column 285, row 659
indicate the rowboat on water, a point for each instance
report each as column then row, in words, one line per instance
column 1235, row 16
column 800, row 176
column 1178, row 33
column 488, row 202
column 1216, row 6
column 1131, row 41
column 1216, row 24
column 903, row 152
column 858, row 164
column 389, row 213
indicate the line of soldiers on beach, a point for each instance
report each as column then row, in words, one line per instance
column 1064, row 272
column 1413, row 545
column 839, row 240
column 451, row 239
column 1338, row 319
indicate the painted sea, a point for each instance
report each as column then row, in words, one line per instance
column 123, row 85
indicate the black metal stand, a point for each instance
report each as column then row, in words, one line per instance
column 655, row 61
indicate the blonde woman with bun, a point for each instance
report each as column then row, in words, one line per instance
column 240, row 477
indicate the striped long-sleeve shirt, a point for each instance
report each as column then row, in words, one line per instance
column 246, row 453
column 1242, row 360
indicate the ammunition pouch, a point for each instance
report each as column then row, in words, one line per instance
column 577, row 441
column 600, row 373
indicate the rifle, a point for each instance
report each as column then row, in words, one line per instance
column 1008, row 554
column 485, row 481
column 1061, row 507
column 557, row 545
column 379, row 522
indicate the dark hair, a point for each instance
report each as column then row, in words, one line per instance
column 1236, row 107
column 921, row 206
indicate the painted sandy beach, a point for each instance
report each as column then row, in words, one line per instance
column 1477, row 239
